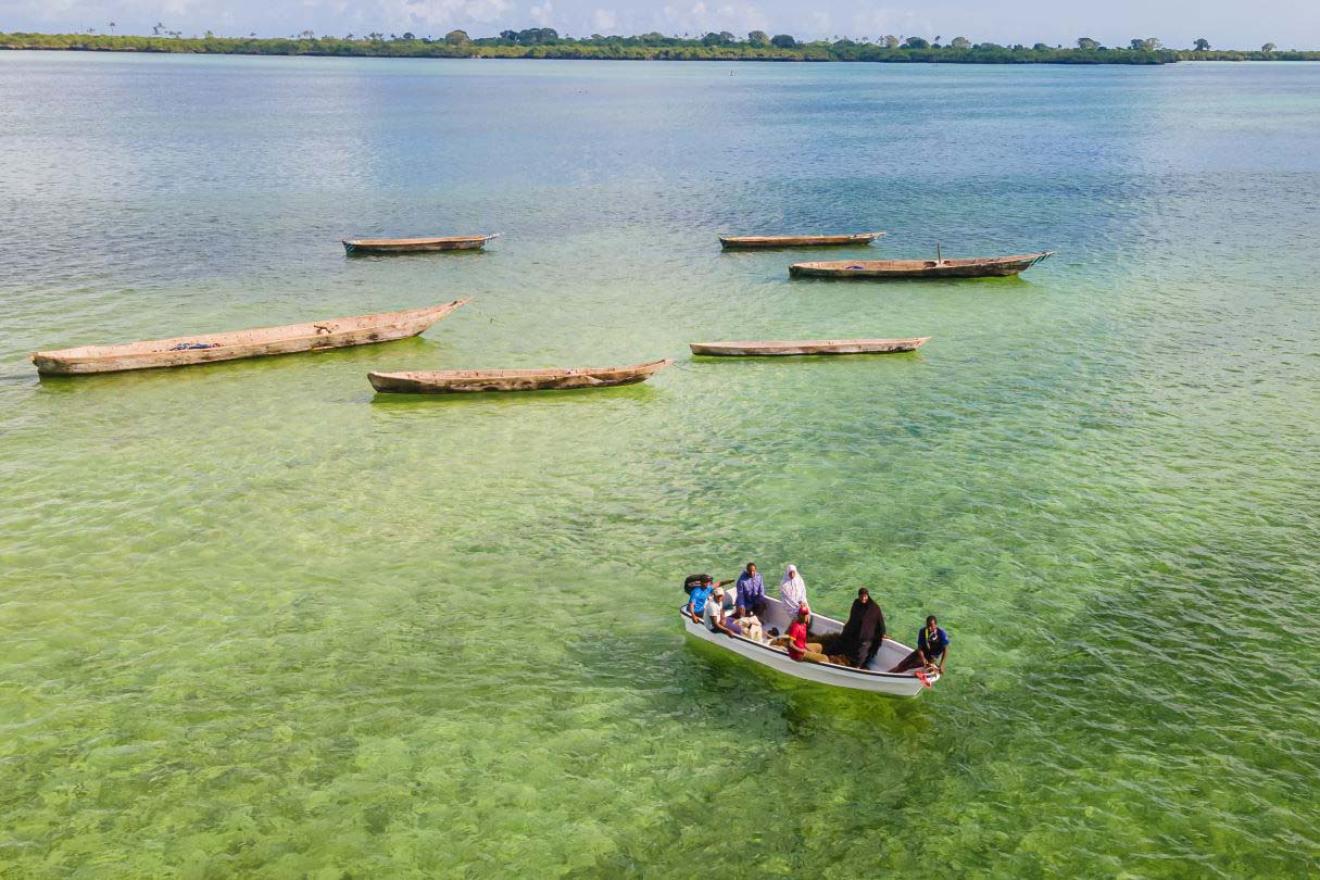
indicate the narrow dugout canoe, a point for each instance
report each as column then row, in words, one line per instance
column 737, row 242
column 461, row 381
column 182, row 351
column 772, row 348
column 873, row 678
column 972, row 267
column 417, row 245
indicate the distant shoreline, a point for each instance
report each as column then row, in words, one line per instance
column 650, row 47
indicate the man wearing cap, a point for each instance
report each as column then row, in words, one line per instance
column 714, row 617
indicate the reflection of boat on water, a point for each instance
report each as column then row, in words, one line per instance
column 460, row 381
column 777, row 615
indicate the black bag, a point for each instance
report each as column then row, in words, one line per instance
column 693, row 580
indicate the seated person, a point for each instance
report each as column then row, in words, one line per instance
column 713, row 615
column 783, row 640
column 932, row 650
column 700, row 592
column 793, row 589
column 796, row 643
column 864, row 632
column 698, row 597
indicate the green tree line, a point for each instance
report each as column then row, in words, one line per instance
column 722, row 46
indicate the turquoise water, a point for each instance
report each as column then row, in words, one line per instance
column 256, row 621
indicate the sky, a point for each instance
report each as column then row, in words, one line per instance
column 1225, row 23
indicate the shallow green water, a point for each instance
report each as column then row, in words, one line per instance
column 256, row 621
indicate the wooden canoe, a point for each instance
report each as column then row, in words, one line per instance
column 460, row 381
column 182, row 351
column 774, row 348
column 417, row 245
column 972, row 267
column 736, row 242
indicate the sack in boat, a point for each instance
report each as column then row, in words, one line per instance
column 693, row 580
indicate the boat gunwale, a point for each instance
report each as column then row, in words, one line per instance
column 93, row 353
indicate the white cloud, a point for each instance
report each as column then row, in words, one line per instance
column 747, row 17
column 445, row 13
column 177, row 8
column 542, row 13
column 604, row 20
column 699, row 18
column 877, row 21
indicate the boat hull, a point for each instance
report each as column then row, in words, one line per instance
column 807, row 347
column 475, row 381
column 239, row 344
column 751, row 242
column 893, row 684
column 416, row 245
column 975, row 267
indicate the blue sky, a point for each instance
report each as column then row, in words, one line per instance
column 1226, row 23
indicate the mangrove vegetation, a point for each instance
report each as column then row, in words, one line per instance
column 723, row 46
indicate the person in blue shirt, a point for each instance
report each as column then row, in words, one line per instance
column 751, row 591
column 932, row 649
column 700, row 594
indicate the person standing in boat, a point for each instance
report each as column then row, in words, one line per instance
column 932, row 649
column 751, row 590
column 792, row 589
column 864, row 632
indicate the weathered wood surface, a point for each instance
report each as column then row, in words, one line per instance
column 776, row 348
column 461, row 381
column 737, row 242
column 417, row 245
column 232, row 345
column 972, row 267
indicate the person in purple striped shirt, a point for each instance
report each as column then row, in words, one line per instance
column 751, row 591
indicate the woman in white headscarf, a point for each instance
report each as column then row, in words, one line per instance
column 793, row 590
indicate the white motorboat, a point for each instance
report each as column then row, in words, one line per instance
column 873, row 678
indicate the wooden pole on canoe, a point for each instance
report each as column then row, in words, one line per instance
column 938, row 258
